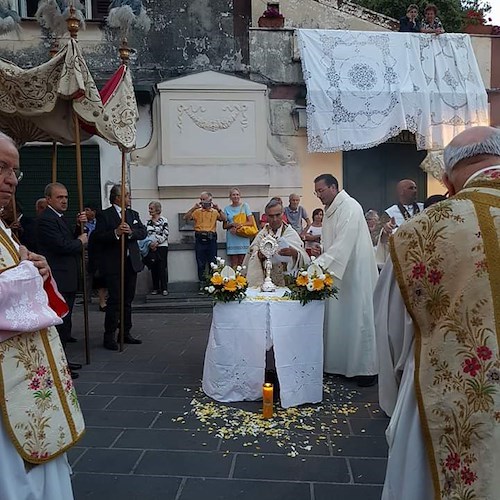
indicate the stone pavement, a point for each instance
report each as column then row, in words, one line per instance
column 151, row 434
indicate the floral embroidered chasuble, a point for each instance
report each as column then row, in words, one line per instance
column 39, row 406
column 447, row 262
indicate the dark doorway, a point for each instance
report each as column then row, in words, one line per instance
column 371, row 175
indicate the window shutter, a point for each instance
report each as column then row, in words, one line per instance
column 100, row 8
column 36, row 164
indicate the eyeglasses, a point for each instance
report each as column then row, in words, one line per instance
column 4, row 170
column 319, row 192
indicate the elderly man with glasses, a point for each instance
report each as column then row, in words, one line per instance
column 41, row 418
column 348, row 255
column 437, row 307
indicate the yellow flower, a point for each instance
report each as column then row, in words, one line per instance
column 302, row 280
column 328, row 280
column 230, row 285
column 318, row 284
column 217, row 280
column 241, row 281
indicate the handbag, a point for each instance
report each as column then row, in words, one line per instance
column 245, row 231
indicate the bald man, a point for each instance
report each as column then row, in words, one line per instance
column 437, row 310
column 406, row 207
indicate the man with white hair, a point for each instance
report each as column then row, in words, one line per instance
column 437, row 305
column 40, row 417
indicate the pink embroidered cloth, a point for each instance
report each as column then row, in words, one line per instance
column 24, row 305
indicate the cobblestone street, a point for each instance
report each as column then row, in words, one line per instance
column 152, row 434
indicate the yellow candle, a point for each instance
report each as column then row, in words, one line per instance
column 267, row 400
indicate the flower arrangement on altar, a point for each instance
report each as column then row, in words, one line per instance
column 225, row 283
column 311, row 283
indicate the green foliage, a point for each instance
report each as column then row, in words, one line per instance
column 451, row 12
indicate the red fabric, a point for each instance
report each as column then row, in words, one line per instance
column 106, row 92
column 56, row 300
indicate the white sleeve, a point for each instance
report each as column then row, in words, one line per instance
column 394, row 335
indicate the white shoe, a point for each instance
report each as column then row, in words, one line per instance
column 164, row 293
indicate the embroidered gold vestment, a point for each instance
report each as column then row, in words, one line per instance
column 447, row 263
column 40, row 409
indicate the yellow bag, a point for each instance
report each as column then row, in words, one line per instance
column 245, row 231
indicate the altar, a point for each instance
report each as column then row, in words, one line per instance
column 240, row 335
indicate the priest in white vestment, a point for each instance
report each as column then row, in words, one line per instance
column 437, row 305
column 349, row 321
column 406, row 207
column 31, row 468
column 290, row 257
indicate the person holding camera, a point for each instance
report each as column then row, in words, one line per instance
column 205, row 214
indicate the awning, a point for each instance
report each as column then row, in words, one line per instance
column 366, row 87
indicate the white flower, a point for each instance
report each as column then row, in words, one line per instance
column 222, row 262
column 211, row 289
column 312, row 258
column 226, row 280
column 243, row 267
column 303, row 273
column 213, row 265
column 216, row 273
column 310, row 286
column 218, row 259
column 238, row 268
column 321, row 277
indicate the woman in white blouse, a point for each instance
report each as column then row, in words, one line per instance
column 157, row 258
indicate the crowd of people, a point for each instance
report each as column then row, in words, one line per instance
column 426, row 326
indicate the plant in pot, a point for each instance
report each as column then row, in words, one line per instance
column 272, row 17
column 475, row 19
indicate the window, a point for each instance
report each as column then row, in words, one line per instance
column 94, row 9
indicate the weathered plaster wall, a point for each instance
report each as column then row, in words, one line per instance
column 324, row 14
column 185, row 37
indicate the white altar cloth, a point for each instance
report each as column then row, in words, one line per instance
column 364, row 87
column 241, row 333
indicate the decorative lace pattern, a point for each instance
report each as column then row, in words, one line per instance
column 364, row 88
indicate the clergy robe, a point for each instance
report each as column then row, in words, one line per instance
column 255, row 271
column 437, row 304
column 393, row 212
column 50, row 479
column 349, row 321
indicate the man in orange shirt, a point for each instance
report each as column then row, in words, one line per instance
column 205, row 214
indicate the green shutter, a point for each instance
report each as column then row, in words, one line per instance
column 36, row 164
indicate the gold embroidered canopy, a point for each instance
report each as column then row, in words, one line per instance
column 37, row 104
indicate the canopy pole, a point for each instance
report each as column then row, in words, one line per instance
column 53, row 51
column 79, row 178
column 54, row 161
column 124, row 56
column 122, row 253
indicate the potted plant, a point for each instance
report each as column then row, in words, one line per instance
column 475, row 17
column 272, row 17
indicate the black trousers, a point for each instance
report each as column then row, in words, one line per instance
column 206, row 251
column 113, row 304
column 64, row 330
column 159, row 271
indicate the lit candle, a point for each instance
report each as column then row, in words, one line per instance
column 267, row 400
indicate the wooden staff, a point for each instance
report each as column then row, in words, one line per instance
column 124, row 56
column 73, row 26
column 79, row 179
column 53, row 51
column 54, row 161
column 122, row 253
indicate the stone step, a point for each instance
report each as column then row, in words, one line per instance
column 174, row 302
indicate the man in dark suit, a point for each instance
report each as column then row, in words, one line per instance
column 106, row 237
column 56, row 241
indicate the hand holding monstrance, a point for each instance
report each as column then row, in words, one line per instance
column 268, row 247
